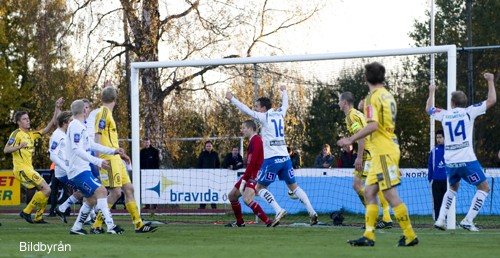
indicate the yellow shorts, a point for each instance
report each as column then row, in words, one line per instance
column 366, row 168
column 363, row 174
column 29, row 178
column 384, row 171
column 116, row 176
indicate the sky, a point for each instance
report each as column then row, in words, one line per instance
column 354, row 25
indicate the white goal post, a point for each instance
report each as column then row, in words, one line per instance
column 136, row 66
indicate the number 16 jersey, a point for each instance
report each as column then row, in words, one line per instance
column 272, row 127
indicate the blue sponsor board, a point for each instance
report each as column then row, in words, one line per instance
column 328, row 194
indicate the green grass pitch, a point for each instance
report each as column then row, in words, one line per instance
column 215, row 240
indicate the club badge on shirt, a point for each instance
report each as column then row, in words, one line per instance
column 76, row 137
column 102, row 124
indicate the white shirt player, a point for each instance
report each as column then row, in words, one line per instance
column 90, row 123
column 78, row 146
column 458, row 125
column 272, row 127
column 57, row 148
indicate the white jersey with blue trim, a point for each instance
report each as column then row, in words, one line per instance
column 272, row 127
column 78, row 147
column 57, row 152
column 90, row 123
column 458, row 127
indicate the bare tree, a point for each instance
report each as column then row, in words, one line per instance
column 197, row 29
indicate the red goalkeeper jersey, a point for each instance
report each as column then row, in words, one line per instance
column 254, row 157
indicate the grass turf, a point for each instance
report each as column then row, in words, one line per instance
column 205, row 240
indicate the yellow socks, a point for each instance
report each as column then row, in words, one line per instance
column 401, row 214
column 134, row 213
column 41, row 207
column 371, row 219
column 37, row 197
column 39, row 201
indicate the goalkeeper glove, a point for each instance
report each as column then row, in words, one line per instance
column 242, row 186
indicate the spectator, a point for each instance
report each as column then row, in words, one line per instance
column 347, row 158
column 208, row 159
column 150, row 159
column 325, row 158
column 233, row 160
column 150, row 156
column 295, row 157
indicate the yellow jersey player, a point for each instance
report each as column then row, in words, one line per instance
column 355, row 121
column 380, row 111
column 21, row 144
column 116, row 179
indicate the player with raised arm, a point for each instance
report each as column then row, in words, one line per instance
column 247, row 183
column 115, row 178
column 355, row 121
column 459, row 156
column 78, row 149
column 384, row 175
column 21, row 144
column 276, row 159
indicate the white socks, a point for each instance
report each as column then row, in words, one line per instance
column 102, row 205
column 477, row 203
column 70, row 201
column 305, row 200
column 269, row 197
column 445, row 206
column 82, row 216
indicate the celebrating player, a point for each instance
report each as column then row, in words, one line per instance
column 380, row 111
column 78, row 153
column 276, row 159
column 22, row 146
column 246, row 185
column 355, row 121
column 459, row 156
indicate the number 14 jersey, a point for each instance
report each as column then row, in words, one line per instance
column 458, row 126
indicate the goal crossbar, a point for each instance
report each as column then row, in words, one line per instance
column 136, row 66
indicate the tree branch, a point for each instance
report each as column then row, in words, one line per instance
column 176, row 83
column 180, row 15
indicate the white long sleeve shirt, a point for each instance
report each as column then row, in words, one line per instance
column 78, row 147
column 272, row 127
column 57, row 152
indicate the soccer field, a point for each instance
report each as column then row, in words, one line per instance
column 203, row 240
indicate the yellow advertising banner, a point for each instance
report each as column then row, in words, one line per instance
column 10, row 189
